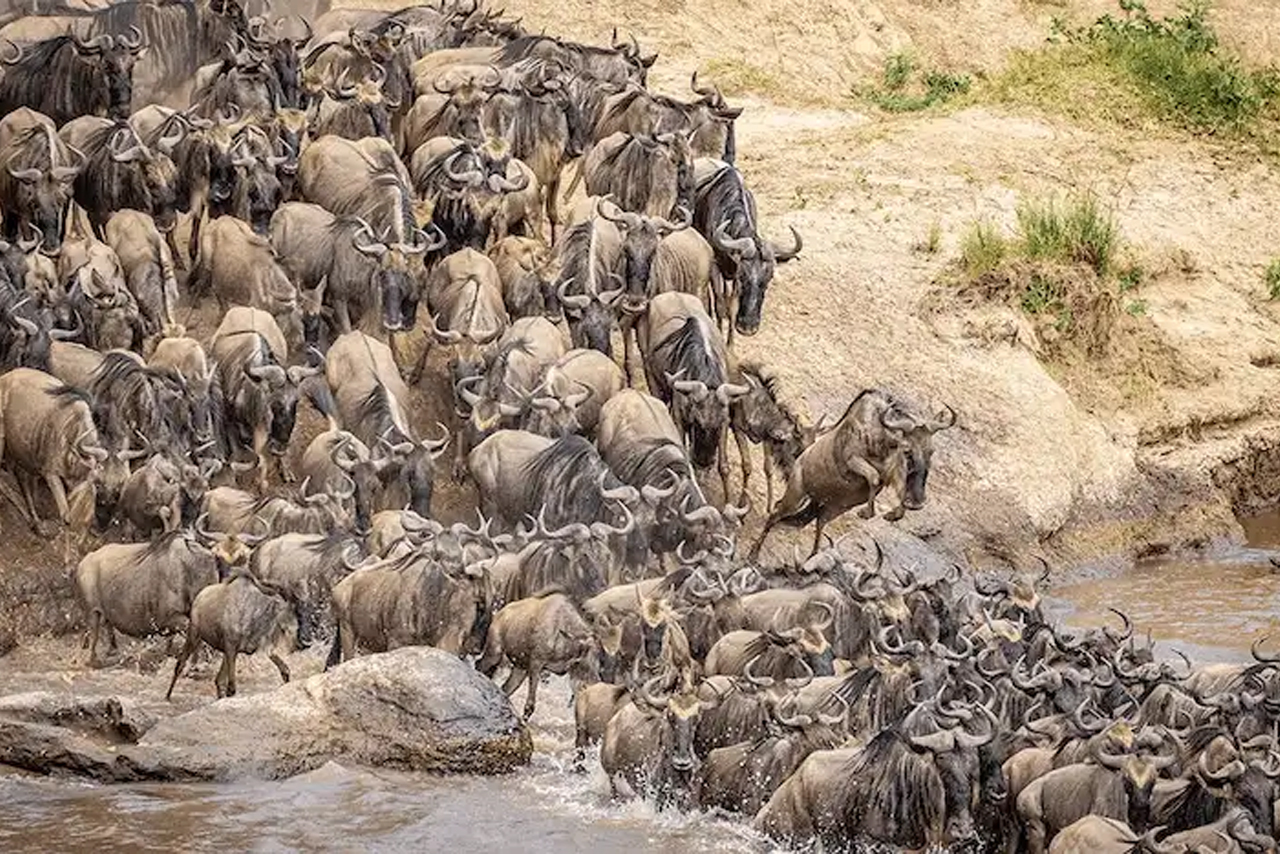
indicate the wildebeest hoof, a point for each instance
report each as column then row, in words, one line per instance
column 46, row 529
column 868, row 512
column 895, row 514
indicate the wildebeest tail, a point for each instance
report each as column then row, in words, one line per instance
column 335, row 649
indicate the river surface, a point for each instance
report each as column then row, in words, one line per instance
column 1211, row 608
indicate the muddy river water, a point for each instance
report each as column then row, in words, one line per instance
column 1211, row 608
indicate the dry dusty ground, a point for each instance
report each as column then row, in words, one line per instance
column 1154, row 449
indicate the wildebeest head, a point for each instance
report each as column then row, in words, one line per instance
column 42, row 182
column 1138, row 773
column 703, row 412
column 655, row 617
column 394, row 279
column 711, row 122
column 590, row 315
column 681, row 711
column 114, row 58
column 640, row 237
column 282, row 57
column 280, row 388
column 464, row 110
column 355, row 460
column 639, row 63
column 552, row 415
column 912, row 439
column 754, row 261
column 109, row 481
column 609, row 642
column 148, row 176
column 254, row 159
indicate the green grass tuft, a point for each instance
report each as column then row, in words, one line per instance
column 982, row 249
column 902, row 90
column 1272, row 279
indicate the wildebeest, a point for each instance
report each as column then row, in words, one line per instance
column 467, row 187
column 148, row 267
column 99, row 296
column 589, row 284
column 234, row 511
column 523, row 267
column 571, row 393
column 47, row 432
column 64, row 77
column 36, row 182
column 878, row 441
column 355, row 110
column 238, row 617
column 186, row 362
column 119, row 172
column 708, row 121
column 464, row 296
column 372, row 403
column 260, row 394
column 143, row 589
column 763, row 417
column 361, row 178
column 645, row 174
column 725, row 213
column 689, row 368
column 648, row 745
column 536, row 634
column 239, row 268
column 305, row 567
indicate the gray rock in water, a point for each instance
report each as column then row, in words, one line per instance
column 415, row 708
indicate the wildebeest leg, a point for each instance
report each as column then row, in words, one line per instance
column 1035, row 832
column 280, row 665
column 628, row 346
column 171, row 238
column 95, row 628
column 722, row 466
column 187, row 648
column 220, row 680
column 260, row 453
column 768, row 482
column 342, row 315
column 715, row 297
column 744, row 452
column 230, row 656
column 871, row 475
column 421, row 367
column 113, row 645
column 818, row 525
column 535, row 673
column 773, row 520
column 553, row 210
column 514, row 679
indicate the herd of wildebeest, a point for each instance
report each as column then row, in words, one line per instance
column 334, row 170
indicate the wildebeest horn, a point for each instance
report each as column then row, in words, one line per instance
column 29, row 176
column 25, row 324
column 578, row 301
column 749, row 673
column 132, row 45
column 500, row 183
column 17, row 58
column 686, row 220
column 736, row 246
column 695, row 388
column 892, row 419
column 435, row 447
column 705, row 91
column 97, row 452
column 266, row 373
column 782, row 255
column 573, row 531
column 686, row 560
column 603, row 530
column 444, row 336
column 1128, row 628
column 705, row 513
column 1225, row 774
column 944, row 421
column 438, row 85
column 93, row 46
column 297, row 373
column 1265, row 658
column 371, row 246
column 654, row 494
column 624, row 493
column 469, row 177
column 463, row 389
column 825, row 623
column 200, row 529
column 728, row 391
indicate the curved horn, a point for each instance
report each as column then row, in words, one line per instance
column 783, row 255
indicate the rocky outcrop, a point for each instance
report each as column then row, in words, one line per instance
column 415, row 708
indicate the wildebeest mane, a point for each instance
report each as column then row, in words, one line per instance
column 330, row 548
column 566, row 475
column 887, row 780
column 687, row 349
column 168, row 27
column 158, row 546
column 647, row 461
column 375, row 418
column 53, row 78
column 66, row 395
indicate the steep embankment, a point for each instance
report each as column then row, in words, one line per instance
column 1157, row 445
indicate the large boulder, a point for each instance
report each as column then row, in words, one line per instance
column 415, row 708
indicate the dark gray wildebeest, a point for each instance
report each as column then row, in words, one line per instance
column 260, row 394
column 64, row 77
column 26, row 339
column 524, row 267
column 642, row 444
column 763, row 417
column 690, row 370
column 164, row 493
column 239, row 268
column 589, row 283
column 468, row 187
column 912, row 785
column 355, row 110
column 364, row 179
column 563, row 481
column 367, row 281
column 98, row 295
column 498, row 391
column 37, row 178
column 537, row 634
column 571, row 394
column 455, row 109
column 878, row 441
column 306, row 567
column 1119, row 786
column 361, row 55
column 373, row 404
column 464, row 298
column 239, row 616
column 148, row 267
column 412, row 600
column 742, row 777
column 778, row 654
column 184, row 360
column 335, row 457
column 47, row 432
column 119, row 172
column 708, row 121
column 145, row 589
column 645, row 174
column 131, row 399
column 725, row 213
column 242, row 81
column 229, row 510
column 648, row 745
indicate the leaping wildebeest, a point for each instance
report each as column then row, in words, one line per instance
column 878, row 442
